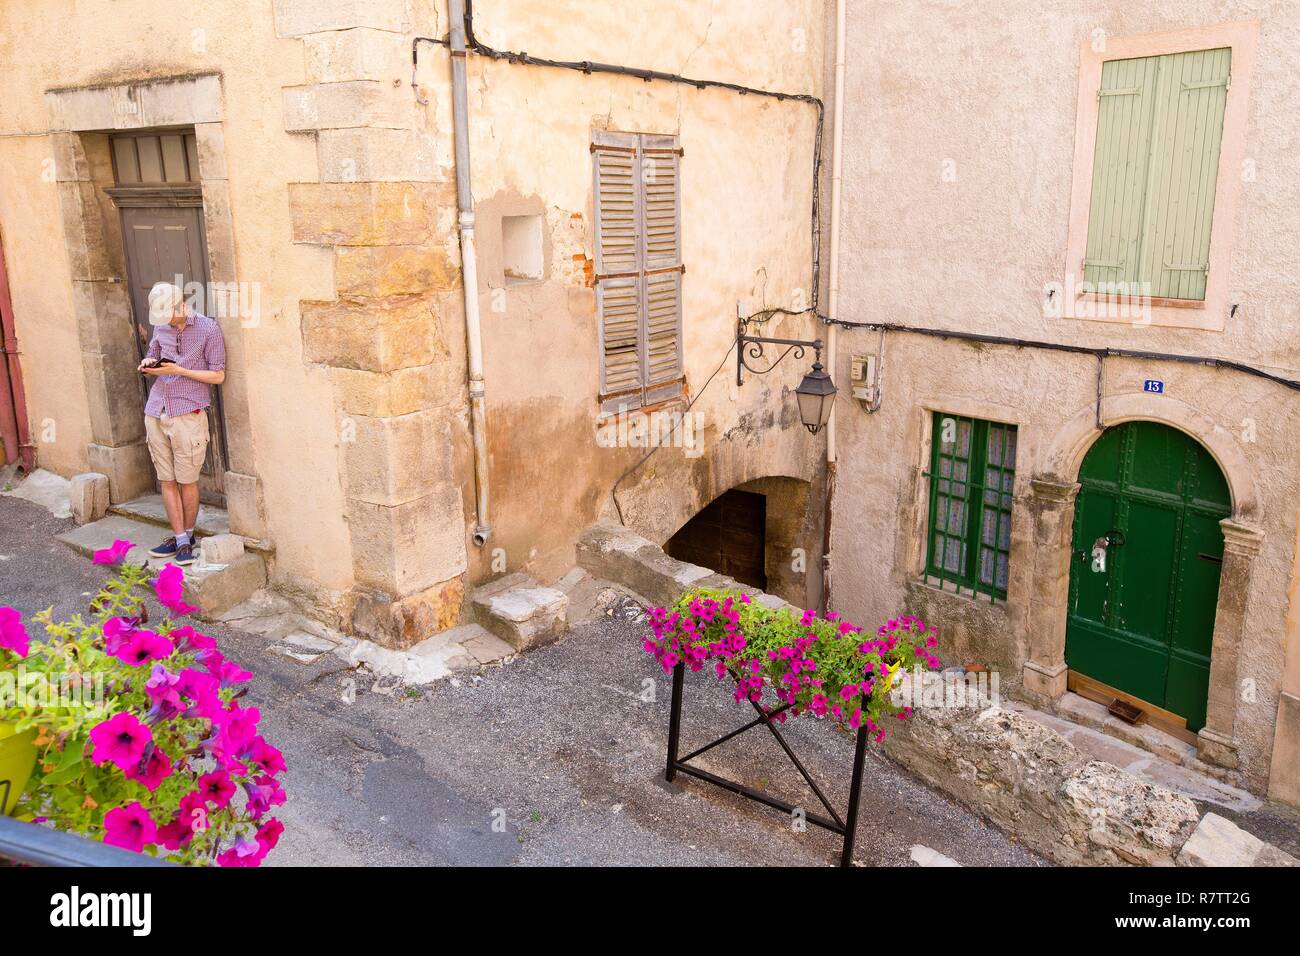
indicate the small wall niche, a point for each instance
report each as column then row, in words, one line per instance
column 521, row 249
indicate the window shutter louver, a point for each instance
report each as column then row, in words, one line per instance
column 1155, row 168
column 638, row 267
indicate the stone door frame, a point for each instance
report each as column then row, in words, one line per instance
column 1052, row 506
column 117, row 447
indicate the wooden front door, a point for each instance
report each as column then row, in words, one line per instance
column 163, row 232
column 729, row 536
column 1144, row 574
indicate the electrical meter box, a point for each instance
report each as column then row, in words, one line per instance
column 862, row 377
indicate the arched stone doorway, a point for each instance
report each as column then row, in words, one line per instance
column 1052, row 503
column 761, row 532
column 1144, row 572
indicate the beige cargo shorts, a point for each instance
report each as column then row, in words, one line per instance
column 178, row 445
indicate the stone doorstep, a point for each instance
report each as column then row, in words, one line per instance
column 212, row 520
column 1155, row 768
column 212, row 591
column 1217, row 841
column 520, row 611
column 1079, row 710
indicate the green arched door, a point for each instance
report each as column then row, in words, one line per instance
column 1144, row 571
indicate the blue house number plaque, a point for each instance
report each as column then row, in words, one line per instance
column 1153, row 385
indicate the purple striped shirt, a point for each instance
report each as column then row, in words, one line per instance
column 198, row 345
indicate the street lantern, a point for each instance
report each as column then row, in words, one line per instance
column 816, row 393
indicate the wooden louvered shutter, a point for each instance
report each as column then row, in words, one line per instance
column 662, row 255
column 1119, row 170
column 618, row 266
column 1191, row 94
column 1155, row 169
column 638, row 267
column 618, row 303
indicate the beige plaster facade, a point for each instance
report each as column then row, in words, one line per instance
column 961, row 148
column 325, row 158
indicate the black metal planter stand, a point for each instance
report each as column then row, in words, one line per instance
column 846, row 827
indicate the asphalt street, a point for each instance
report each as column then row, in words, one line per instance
column 555, row 757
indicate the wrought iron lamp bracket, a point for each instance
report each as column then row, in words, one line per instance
column 751, row 346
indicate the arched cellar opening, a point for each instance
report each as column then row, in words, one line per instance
column 762, row 533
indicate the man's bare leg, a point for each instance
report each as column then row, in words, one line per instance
column 190, row 504
column 173, row 504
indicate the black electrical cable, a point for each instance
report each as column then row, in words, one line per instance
column 1101, row 352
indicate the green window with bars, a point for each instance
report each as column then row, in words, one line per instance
column 972, row 473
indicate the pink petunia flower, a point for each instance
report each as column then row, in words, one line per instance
column 121, row 740
column 129, row 827
column 217, row 789
column 114, row 554
column 170, row 588
column 154, row 767
column 141, row 647
column 12, row 633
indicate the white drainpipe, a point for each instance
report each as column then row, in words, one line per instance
column 837, row 163
column 469, row 270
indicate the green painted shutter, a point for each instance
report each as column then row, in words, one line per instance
column 1190, row 97
column 1119, row 170
column 1155, row 166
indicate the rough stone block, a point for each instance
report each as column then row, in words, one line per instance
column 83, row 231
column 103, row 313
column 118, row 417
column 393, row 270
column 523, row 614
column 407, row 548
column 616, row 553
column 355, row 103
column 371, row 214
column 128, row 467
column 1286, row 750
column 215, row 592
column 210, row 144
column 1034, row 783
column 399, row 392
column 388, row 461
column 357, row 54
column 180, row 102
column 244, row 505
column 375, row 335
column 88, row 497
column 374, row 154
column 70, row 161
column 405, row 622
column 1220, row 842
column 221, row 548
column 295, row 18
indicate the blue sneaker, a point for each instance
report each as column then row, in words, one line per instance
column 184, row 555
column 164, row 550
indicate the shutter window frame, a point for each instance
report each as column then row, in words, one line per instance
column 636, row 184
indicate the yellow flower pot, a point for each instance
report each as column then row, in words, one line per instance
column 17, row 760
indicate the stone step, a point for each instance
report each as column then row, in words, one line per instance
column 212, row 520
column 213, row 590
column 520, row 611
